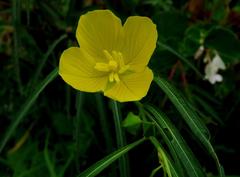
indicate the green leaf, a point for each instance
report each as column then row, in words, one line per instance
column 167, row 129
column 25, row 108
column 121, row 138
column 219, row 10
column 190, row 117
column 105, row 162
column 165, row 160
column 131, row 120
column 205, row 105
column 225, row 42
column 170, row 25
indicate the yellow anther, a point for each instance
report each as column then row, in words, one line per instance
column 116, row 77
column 114, row 66
column 118, row 57
column 102, row 67
column 111, row 77
column 107, row 55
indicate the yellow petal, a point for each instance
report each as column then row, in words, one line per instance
column 140, row 36
column 97, row 31
column 77, row 69
column 131, row 87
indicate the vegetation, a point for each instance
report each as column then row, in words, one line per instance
column 187, row 125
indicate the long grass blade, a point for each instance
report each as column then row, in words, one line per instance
column 25, row 108
column 167, row 129
column 49, row 163
column 190, row 117
column 105, row 162
column 120, row 136
column 168, row 165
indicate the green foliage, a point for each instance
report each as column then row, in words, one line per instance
column 102, row 164
column 132, row 122
column 176, row 143
column 226, row 42
column 184, row 124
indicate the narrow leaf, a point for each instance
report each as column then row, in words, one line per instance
column 168, row 164
column 167, row 129
column 121, row 139
column 190, row 117
column 105, row 162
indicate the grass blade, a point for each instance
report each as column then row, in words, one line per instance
column 105, row 162
column 49, row 163
column 168, row 164
column 167, row 129
column 25, row 108
column 120, row 136
column 190, row 117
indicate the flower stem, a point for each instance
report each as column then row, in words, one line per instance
column 78, row 106
column 104, row 123
column 16, row 43
column 120, row 136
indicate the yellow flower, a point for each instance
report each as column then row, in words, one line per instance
column 111, row 58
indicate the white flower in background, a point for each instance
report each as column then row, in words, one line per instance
column 199, row 52
column 212, row 68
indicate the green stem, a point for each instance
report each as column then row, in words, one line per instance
column 120, row 136
column 79, row 102
column 16, row 25
column 104, row 123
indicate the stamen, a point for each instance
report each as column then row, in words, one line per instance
column 118, row 56
column 116, row 77
column 102, row 67
column 114, row 66
column 121, row 61
column 107, row 55
column 111, row 77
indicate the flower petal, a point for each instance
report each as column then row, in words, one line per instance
column 99, row 30
column 140, row 36
column 77, row 69
column 218, row 63
column 132, row 87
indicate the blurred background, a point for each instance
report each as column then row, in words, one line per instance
column 63, row 133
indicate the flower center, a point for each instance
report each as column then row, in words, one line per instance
column 114, row 67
